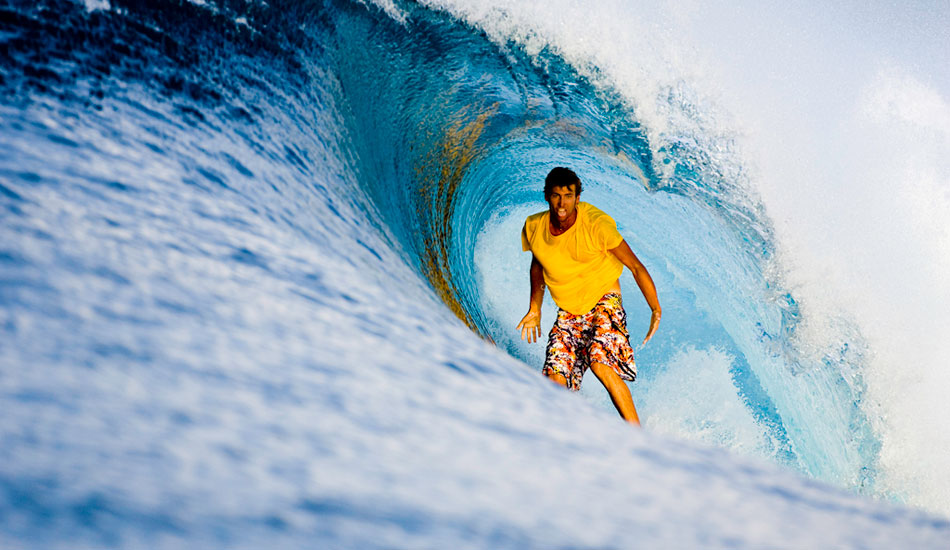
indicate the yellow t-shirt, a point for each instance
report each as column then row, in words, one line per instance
column 578, row 267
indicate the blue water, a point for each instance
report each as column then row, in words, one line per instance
column 259, row 272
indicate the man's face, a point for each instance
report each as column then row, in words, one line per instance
column 563, row 202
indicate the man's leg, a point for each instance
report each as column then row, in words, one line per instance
column 559, row 356
column 618, row 390
column 558, row 378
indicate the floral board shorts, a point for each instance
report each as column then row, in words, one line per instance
column 598, row 336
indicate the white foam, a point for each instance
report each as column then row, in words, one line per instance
column 717, row 415
column 853, row 168
column 97, row 5
column 389, row 7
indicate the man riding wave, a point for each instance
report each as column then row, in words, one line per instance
column 578, row 254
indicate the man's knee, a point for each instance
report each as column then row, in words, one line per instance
column 557, row 378
column 602, row 371
column 607, row 376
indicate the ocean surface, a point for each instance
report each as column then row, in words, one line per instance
column 260, row 274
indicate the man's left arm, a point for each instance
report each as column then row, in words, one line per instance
column 644, row 281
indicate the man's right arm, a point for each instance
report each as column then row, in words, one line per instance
column 530, row 325
column 537, row 284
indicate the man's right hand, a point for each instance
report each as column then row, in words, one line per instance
column 530, row 326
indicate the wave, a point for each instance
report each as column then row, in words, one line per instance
column 507, row 116
column 216, row 213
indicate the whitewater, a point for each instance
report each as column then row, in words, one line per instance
column 260, row 273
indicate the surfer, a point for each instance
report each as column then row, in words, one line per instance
column 577, row 252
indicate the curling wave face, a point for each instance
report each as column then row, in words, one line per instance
column 461, row 131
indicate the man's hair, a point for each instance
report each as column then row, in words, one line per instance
column 561, row 177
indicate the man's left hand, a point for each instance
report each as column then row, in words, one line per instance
column 654, row 324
